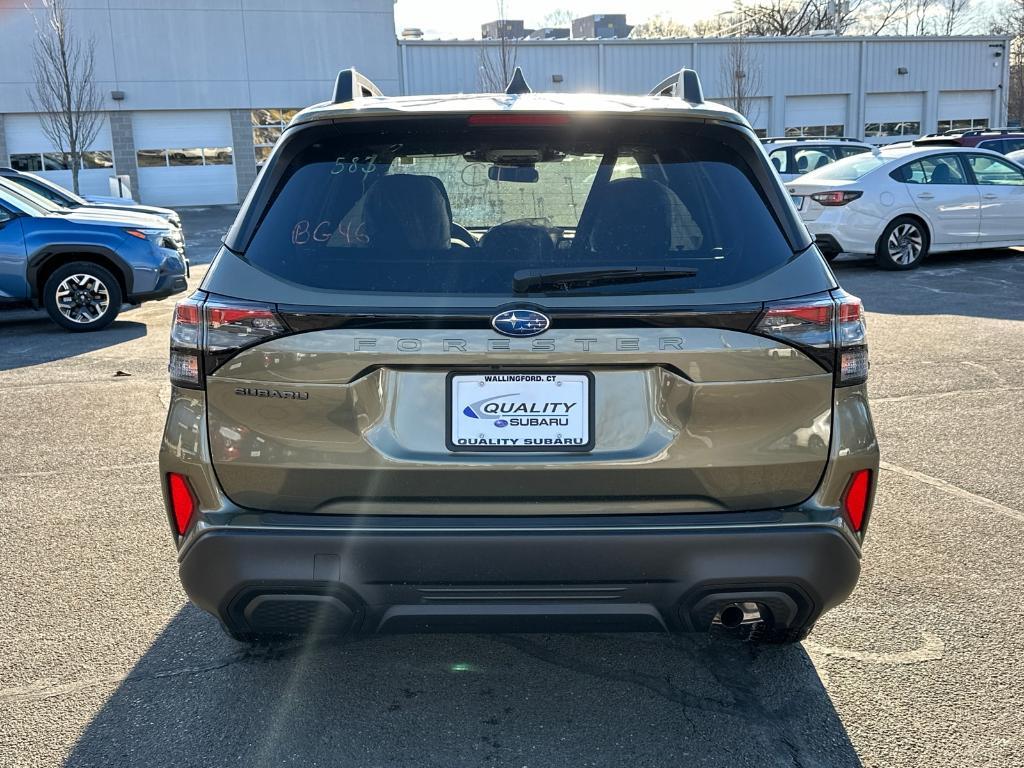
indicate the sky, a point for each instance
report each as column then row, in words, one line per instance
column 462, row 18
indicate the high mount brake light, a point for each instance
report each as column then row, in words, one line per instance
column 829, row 329
column 838, row 197
column 512, row 118
column 208, row 331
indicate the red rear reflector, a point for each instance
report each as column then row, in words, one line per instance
column 183, row 503
column 855, row 500
column 512, row 118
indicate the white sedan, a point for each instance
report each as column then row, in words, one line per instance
column 902, row 203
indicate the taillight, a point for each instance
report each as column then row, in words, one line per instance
column 851, row 341
column 185, row 365
column 208, row 331
column 837, row 197
column 183, row 501
column 829, row 329
column 855, row 498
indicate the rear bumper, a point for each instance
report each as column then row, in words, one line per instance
column 851, row 230
column 518, row 577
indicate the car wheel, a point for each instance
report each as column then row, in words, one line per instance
column 903, row 244
column 82, row 296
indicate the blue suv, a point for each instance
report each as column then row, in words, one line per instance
column 82, row 266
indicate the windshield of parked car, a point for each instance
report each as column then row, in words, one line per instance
column 459, row 206
column 55, row 194
column 22, row 200
column 34, row 199
column 849, row 168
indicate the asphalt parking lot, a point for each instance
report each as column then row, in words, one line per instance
column 104, row 663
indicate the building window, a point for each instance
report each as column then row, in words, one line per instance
column 27, row 163
column 761, row 133
column 267, row 127
column 881, row 130
column 815, row 130
column 54, row 161
column 184, row 156
column 962, row 125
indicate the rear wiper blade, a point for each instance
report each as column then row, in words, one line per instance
column 526, row 280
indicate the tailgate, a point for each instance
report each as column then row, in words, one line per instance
column 357, row 421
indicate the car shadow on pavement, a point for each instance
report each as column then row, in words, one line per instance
column 198, row 699
column 969, row 283
column 28, row 339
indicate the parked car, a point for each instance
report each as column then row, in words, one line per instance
column 65, row 198
column 518, row 360
column 795, row 156
column 1017, row 157
column 82, row 266
column 1002, row 140
column 902, row 203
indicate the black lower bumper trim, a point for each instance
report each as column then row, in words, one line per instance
column 425, row 581
column 828, row 244
column 167, row 285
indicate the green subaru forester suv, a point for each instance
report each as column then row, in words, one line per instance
column 514, row 362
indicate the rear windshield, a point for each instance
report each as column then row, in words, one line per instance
column 849, row 168
column 461, row 205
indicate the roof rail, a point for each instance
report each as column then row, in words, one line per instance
column 685, row 84
column 518, row 83
column 769, row 139
column 351, row 85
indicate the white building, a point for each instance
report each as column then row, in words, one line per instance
column 198, row 90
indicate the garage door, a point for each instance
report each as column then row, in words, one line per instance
column 184, row 158
column 31, row 150
column 964, row 109
column 893, row 116
column 816, row 115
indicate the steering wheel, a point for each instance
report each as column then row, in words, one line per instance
column 463, row 235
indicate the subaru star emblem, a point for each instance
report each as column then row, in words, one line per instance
column 520, row 322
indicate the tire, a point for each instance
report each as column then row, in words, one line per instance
column 765, row 634
column 903, row 244
column 82, row 296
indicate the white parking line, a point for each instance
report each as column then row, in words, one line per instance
column 953, row 490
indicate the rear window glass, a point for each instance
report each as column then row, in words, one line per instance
column 849, row 168
column 448, row 206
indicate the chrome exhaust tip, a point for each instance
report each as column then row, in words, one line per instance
column 735, row 615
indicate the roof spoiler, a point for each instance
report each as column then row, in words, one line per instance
column 685, row 84
column 518, row 83
column 351, row 85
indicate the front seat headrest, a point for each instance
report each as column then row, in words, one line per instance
column 633, row 219
column 407, row 211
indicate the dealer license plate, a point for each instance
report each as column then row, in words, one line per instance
column 503, row 411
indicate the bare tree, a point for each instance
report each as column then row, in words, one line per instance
column 955, row 14
column 741, row 76
column 498, row 60
column 660, row 26
column 65, row 92
column 560, row 17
